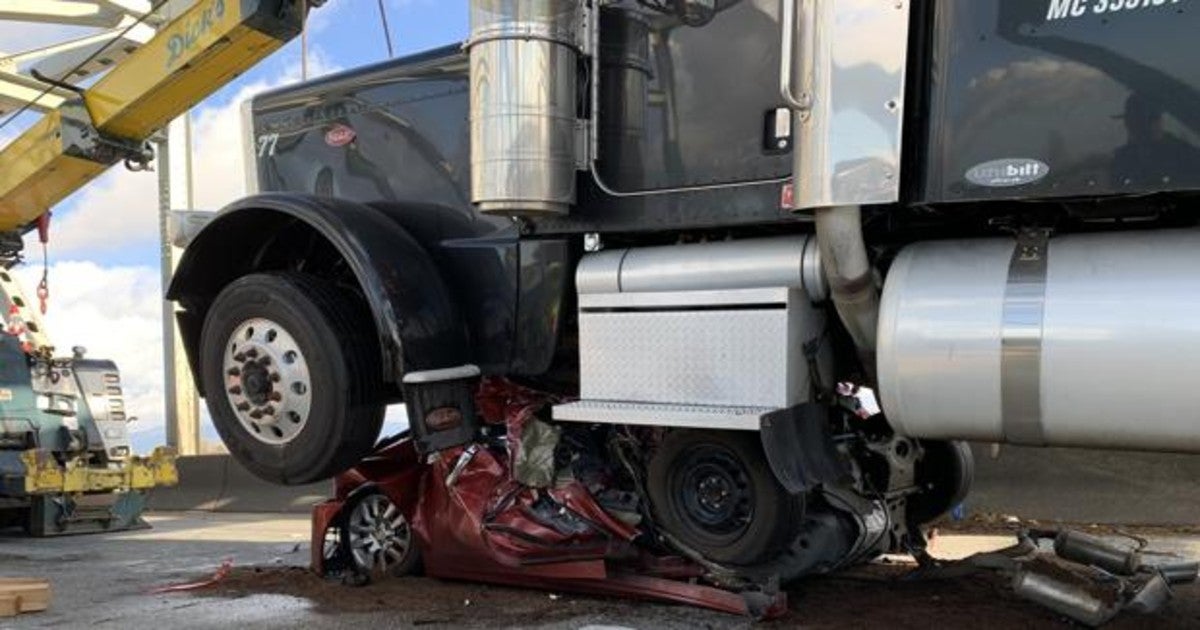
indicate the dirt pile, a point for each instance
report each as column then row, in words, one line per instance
column 869, row 597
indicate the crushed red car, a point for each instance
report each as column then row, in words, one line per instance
column 465, row 513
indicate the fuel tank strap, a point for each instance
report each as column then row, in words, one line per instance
column 1021, row 340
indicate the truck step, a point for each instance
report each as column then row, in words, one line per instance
column 658, row 414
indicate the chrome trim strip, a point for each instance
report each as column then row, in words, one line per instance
column 734, row 418
column 613, row 192
column 684, row 299
column 1021, row 340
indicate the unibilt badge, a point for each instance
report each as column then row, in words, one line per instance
column 1005, row 173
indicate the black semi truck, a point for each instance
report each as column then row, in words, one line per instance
column 798, row 251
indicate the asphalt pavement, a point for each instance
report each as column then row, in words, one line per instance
column 109, row 581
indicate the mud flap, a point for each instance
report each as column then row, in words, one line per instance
column 799, row 447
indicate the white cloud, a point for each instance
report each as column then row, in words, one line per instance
column 117, row 211
column 116, row 313
column 321, row 18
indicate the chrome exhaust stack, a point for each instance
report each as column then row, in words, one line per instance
column 850, row 276
column 524, row 63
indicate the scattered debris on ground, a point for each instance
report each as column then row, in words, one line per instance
column 878, row 594
column 221, row 573
column 989, row 523
column 1078, row 575
column 1050, row 578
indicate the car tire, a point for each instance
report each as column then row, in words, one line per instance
column 714, row 492
column 378, row 541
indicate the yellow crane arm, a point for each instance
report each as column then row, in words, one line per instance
column 191, row 57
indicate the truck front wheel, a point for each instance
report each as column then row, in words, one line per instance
column 290, row 369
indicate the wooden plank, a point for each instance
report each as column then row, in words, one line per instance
column 23, row 595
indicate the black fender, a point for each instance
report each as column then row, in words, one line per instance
column 419, row 324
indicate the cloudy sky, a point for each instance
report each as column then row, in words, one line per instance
column 104, row 276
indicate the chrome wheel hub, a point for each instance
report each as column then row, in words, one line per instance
column 267, row 381
column 380, row 537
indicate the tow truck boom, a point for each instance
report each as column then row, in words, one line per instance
column 190, row 58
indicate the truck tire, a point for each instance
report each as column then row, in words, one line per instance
column 945, row 474
column 291, row 374
column 714, row 492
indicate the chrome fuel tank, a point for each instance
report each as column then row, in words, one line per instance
column 1080, row 340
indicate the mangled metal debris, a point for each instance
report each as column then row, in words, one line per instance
column 533, row 504
column 504, row 513
column 1077, row 575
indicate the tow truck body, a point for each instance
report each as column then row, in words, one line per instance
column 66, row 463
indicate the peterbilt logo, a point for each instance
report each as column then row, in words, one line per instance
column 340, row 136
column 1009, row 172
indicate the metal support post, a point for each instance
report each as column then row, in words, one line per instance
column 175, row 187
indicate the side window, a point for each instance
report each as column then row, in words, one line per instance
column 684, row 105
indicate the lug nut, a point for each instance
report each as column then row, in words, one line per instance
column 265, row 361
column 236, row 390
column 239, row 357
column 243, row 406
column 256, row 414
column 234, row 372
column 252, row 353
column 275, row 377
column 269, row 410
column 276, row 397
